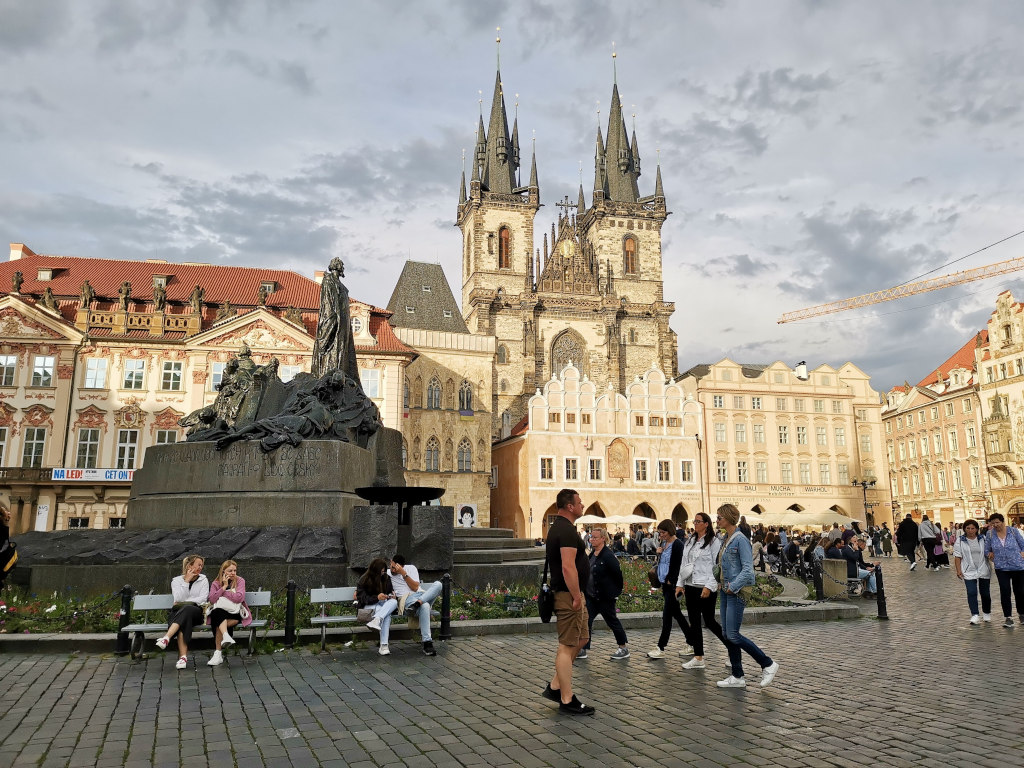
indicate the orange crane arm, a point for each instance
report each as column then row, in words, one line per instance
column 907, row 289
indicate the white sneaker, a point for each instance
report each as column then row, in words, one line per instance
column 913, row 566
column 161, row 643
column 975, row 619
column 384, row 651
column 656, row 653
column 986, row 617
column 373, row 623
column 181, row 663
column 732, row 682
column 687, row 650
column 694, row 664
column 216, row 660
column 227, row 640
column 768, row 674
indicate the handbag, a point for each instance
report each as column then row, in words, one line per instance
column 686, row 568
column 226, row 605
column 545, row 597
column 363, row 615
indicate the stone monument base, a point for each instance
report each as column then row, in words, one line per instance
column 193, row 485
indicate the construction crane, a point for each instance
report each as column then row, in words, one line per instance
column 907, row 289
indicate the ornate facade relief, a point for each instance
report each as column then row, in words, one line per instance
column 166, row 419
column 130, row 416
column 14, row 324
column 91, row 417
column 569, row 347
column 260, row 334
column 37, row 416
column 618, row 459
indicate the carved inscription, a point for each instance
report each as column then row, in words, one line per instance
column 247, row 460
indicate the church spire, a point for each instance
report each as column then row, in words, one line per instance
column 659, row 191
column 499, row 174
column 462, row 188
column 599, row 165
column 533, row 168
column 581, row 204
column 620, row 168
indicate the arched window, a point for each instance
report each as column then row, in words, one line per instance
column 504, row 250
column 405, row 395
column 405, row 455
column 632, row 335
column 502, row 354
column 629, row 262
column 465, row 396
column 434, row 394
column 465, row 457
column 433, row 456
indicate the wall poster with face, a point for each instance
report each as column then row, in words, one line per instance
column 465, row 516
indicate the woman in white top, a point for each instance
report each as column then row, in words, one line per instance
column 972, row 568
column 697, row 581
column 190, row 591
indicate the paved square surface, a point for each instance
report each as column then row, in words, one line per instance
column 924, row 689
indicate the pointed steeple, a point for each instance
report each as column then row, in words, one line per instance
column 462, row 188
column 533, row 170
column 659, row 191
column 481, row 147
column 581, row 204
column 515, row 147
column 599, row 164
column 621, row 173
column 635, row 152
column 499, row 174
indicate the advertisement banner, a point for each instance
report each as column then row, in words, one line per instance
column 94, row 475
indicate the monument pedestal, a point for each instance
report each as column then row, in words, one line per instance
column 193, row 485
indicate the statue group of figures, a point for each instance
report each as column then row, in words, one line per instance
column 254, row 404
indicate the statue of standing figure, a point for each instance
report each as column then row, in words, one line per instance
column 159, row 297
column 87, row 295
column 16, row 281
column 49, row 300
column 196, row 299
column 124, row 294
column 334, row 348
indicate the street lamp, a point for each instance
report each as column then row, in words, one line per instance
column 864, row 485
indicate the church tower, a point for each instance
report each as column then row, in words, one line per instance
column 496, row 219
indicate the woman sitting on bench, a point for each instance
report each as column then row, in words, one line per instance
column 374, row 590
column 227, row 599
column 190, row 591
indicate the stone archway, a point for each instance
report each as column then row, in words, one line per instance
column 549, row 516
column 645, row 510
column 680, row 516
column 569, row 347
column 794, row 508
column 596, row 509
column 757, row 509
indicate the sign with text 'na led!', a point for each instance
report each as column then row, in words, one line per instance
column 94, row 475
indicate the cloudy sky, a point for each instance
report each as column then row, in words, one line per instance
column 810, row 150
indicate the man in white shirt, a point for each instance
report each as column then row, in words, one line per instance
column 405, row 581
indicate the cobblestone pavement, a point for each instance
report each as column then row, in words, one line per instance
column 923, row 689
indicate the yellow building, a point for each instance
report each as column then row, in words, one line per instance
column 783, row 440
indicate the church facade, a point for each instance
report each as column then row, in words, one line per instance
column 589, row 292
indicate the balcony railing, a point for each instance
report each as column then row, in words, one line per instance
column 22, row 475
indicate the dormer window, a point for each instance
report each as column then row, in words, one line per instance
column 446, row 312
column 426, row 289
column 357, row 326
column 268, row 286
column 44, row 275
column 160, row 281
column 410, row 310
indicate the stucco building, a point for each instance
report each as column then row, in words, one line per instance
column 781, row 439
column 934, row 446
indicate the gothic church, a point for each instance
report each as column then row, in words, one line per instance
column 590, row 293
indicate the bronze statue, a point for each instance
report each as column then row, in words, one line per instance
column 159, row 297
column 124, row 294
column 49, row 301
column 196, row 299
column 16, row 281
column 87, row 294
column 334, row 348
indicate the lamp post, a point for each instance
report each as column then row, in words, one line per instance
column 864, row 485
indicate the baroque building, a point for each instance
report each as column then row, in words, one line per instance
column 934, row 444
column 100, row 358
column 589, row 291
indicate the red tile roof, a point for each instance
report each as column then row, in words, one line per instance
column 521, row 427
column 962, row 358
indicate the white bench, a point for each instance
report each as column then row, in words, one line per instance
column 163, row 603
column 324, row 596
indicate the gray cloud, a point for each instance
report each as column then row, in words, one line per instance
column 292, row 74
column 29, row 26
column 737, row 265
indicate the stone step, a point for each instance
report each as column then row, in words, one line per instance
column 478, row 576
column 496, row 555
column 484, row 533
column 477, row 542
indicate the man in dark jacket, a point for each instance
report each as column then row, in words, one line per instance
column 906, row 540
column 604, row 587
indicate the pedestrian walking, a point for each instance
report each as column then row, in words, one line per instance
column 886, row 536
column 1004, row 546
column 697, row 583
column 972, row 568
column 603, row 589
column 907, row 536
column 570, row 571
column 737, row 573
column 928, row 535
column 669, row 560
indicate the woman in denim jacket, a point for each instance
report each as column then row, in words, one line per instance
column 737, row 573
column 1004, row 547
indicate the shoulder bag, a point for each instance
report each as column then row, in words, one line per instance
column 546, row 596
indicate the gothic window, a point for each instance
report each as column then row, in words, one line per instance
column 465, row 456
column 629, row 261
column 405, row 395
column 502, row 354
column 405, row 455
column 433, row 456
column 466, row 396
column 504, row 243
column 568, row 347
column 434, row 394
column 632, row 335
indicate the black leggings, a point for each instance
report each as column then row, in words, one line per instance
column 1008, row 580
column 672, row 611
column 219, row 615
column 701, row 608
column 186, row 616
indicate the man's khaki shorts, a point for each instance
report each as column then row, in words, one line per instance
column 572, row 624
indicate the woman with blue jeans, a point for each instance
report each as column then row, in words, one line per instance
column 1004, row 547
column 972, row 568
column 737, row 568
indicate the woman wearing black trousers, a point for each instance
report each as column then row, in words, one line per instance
column 697, row 581
column 670, row 557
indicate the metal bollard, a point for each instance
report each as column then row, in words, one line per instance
column 123, row 643
column 819, row 584
column 289, row 614
column 445, row 632
column 880, row 593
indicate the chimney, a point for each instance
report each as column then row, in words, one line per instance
column 20, row 251
column 801, row 370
